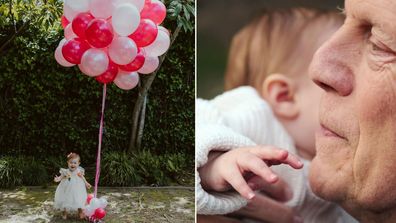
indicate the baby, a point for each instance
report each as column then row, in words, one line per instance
column 239, row 133
column 71, row 192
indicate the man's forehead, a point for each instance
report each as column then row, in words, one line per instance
column 379, row 13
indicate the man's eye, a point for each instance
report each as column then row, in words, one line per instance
column 379, row 49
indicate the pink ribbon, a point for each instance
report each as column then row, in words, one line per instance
column 100, row 141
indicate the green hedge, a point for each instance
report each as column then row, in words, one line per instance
column 48, row 110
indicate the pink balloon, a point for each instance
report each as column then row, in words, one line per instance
column 99, row 213
column 159, row 46
column 73, row 50
column 99, row 33
column 150, row 65
column 80, row 23
column 68, row 31
column 136, row 64
column 154, row 10
column 64, row 21
column 122, row 50
column 94, row 62
column 145, row 34
column 109, row 75
column 126, row 80
column 89, row 198
column 59, row 56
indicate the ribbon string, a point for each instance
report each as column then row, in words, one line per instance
column 100, row 141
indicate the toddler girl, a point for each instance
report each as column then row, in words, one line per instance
column 71, row 192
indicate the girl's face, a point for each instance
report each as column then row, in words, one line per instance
column 73, row 163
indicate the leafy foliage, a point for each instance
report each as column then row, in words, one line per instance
column 21, row 170
column 51, row 110
column 10, row 172
column 119, row 170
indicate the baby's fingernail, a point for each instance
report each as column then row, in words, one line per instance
column 273, row 177
column 297, row 219
column 251, row 195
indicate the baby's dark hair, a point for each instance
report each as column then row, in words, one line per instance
column 73, row 156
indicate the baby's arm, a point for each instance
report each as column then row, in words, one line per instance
column 226, row 170
column 81, row 174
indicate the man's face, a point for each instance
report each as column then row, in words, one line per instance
column 356, row 147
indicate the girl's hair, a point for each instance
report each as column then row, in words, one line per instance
column 273, row 42
column 73, row 156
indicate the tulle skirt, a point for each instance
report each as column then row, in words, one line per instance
column 70, row 194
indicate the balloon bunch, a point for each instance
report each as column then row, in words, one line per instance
column 95, row 208
column 113, row 40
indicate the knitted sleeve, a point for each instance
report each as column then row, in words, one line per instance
column 212, row 134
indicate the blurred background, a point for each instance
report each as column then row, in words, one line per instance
column 218, row 21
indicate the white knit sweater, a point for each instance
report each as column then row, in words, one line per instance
column 238, row 118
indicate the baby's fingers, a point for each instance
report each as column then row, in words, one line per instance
column 252, row 163
column 236, row 180
column 274, row 156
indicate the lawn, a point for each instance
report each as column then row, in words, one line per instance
column 35, row 204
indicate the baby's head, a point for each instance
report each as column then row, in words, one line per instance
column 272, row 54
column 73, row 161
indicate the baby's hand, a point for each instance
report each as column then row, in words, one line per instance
column 88, row 185
column 57, row 179
column 228, row 169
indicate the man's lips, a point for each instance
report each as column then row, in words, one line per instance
column 325, row 131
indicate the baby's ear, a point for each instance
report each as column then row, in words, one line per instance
column 279, row 91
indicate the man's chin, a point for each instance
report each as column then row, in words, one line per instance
column 326, row 183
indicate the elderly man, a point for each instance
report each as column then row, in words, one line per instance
column 355, row 164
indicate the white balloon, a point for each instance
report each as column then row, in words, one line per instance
column 102, row 202
column 151, row 63
column 94, row 203
column 126, row 80
column 78, row 5
column 139, row 4
column 101, row 8
column 122, row 50
column 69, row 34
column 163, row 29
column 126, row 19
column 59, row 56
column 89, row 210
column 69, row 13
column 94, row 62
column 160, row 45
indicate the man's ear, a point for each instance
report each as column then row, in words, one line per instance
column 279, row 91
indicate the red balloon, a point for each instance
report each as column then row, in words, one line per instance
column 145, row 34
column 80, row 23
column 154, row 10
column 64, row 21
column 99, row 33
column 73, row 50
column 136, row 64
column 89, row 198
column 99, row 213
column 109, row 75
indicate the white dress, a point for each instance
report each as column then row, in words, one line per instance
column 71, row 193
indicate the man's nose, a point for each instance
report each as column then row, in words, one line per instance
column 330, row 68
